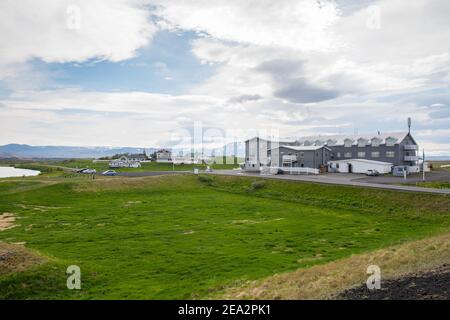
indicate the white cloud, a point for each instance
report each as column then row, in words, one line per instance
column 71, row 30
column 72, row 117
column 410, row 49
column 300, row 24
column 267, row 55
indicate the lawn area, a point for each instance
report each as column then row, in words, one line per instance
column 434, row 184
column 45, row 166
column 183, row 236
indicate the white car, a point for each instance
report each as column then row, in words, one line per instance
column 372, row 173
column 109, row 173
column 89, row 171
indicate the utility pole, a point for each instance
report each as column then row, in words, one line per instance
column 235, row 162
column 423, row 164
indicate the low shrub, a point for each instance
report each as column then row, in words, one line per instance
column 37, row 167
column 206, row 179
column 257, row 185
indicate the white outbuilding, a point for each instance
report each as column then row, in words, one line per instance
column 359, row 166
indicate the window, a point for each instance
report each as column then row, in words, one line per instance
column 390, row 142
column 362, row 143
column 348, row 143
column 375, row 142
column 338, row 154
column 390, row 154
column 375, row 154
column 348, row 154
column 361, row 154
column 302, row 154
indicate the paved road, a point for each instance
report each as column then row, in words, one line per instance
column 430, row 176
column 337, row 179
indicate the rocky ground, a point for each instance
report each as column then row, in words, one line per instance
column 430, row 285
column 16, row 258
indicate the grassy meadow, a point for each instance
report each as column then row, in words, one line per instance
column 100, row 166
column 186, row 236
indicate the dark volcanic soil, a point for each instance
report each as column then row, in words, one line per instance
column 430, row 285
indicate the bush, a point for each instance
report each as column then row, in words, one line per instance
column 37, row 167
column 205, row 179
column 257, row 185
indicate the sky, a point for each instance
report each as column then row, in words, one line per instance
column 147, row 72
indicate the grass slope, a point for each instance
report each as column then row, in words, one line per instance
column 172, row 237
column 434, row 184
column 329, row 280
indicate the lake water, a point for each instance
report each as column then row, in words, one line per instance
column 8, row 172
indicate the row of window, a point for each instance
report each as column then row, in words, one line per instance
column 390, row 142
column 362, row 154
column 349, row 144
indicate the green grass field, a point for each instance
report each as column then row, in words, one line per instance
column 51, row 165
column 183, row 236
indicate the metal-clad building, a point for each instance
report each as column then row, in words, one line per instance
column 398, row 148
column 299, row 156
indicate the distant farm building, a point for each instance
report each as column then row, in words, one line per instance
column 139, row 157
column 163, row 156
column 124, row 162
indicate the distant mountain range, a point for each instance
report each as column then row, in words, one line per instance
column 437, row 158
column 23, row 151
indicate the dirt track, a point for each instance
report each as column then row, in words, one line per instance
column 430, row 285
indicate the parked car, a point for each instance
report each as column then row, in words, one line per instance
column 81, row 170
column 372, row 173
column 109, row 173
column 400, row 171
column 89, row 171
